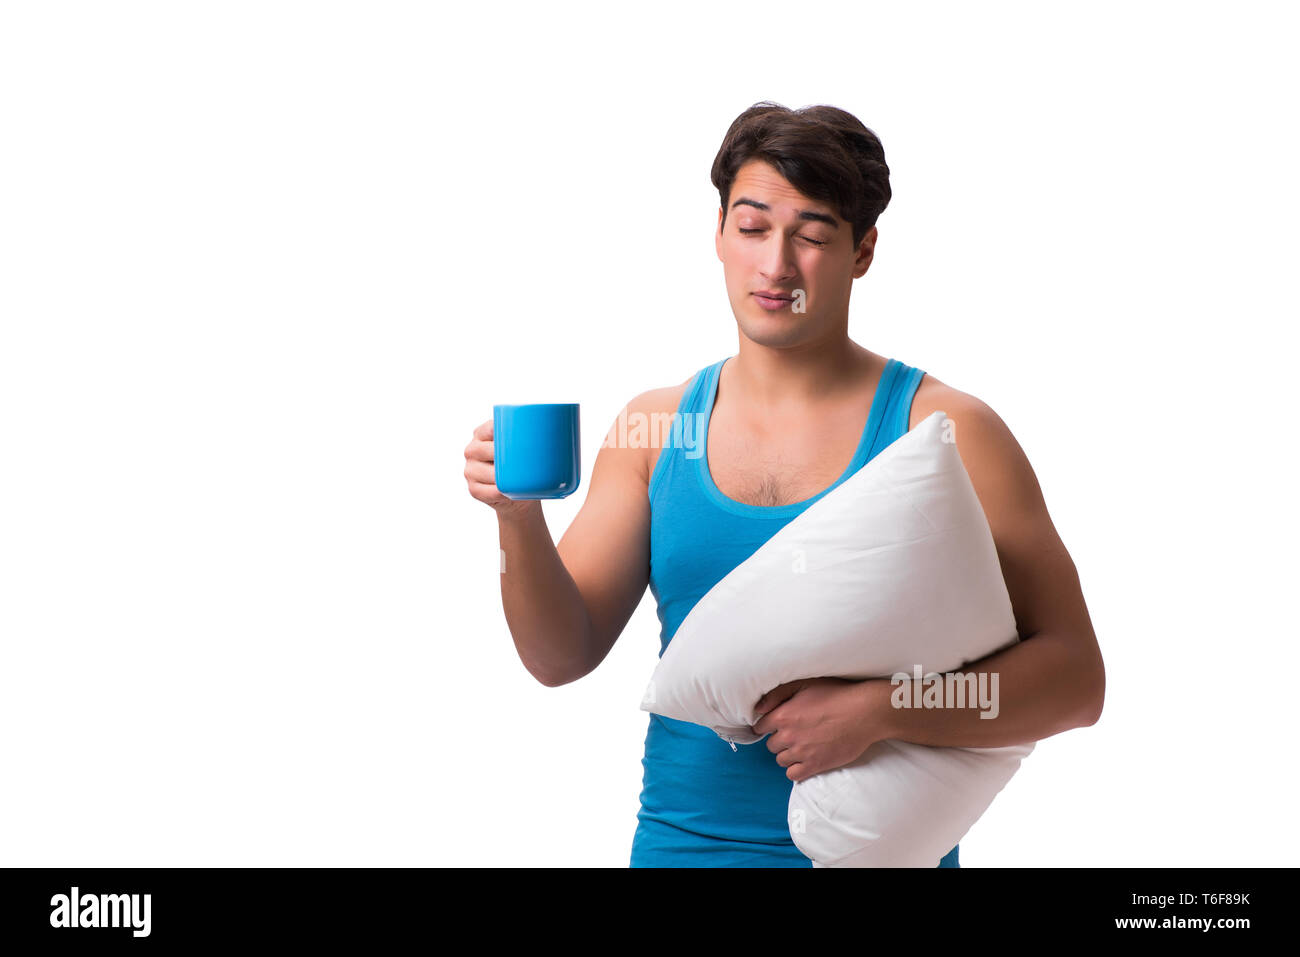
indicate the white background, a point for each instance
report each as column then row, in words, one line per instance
column 264, row 267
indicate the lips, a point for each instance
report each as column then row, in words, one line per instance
column 774, row 301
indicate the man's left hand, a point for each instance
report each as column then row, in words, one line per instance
column 817, row 724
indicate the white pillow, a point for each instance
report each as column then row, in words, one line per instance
column 894, row 568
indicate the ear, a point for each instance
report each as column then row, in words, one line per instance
column 866, row 252
column 717, row 236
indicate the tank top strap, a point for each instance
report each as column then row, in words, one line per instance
column 897, row 411
column 692, row 405
column 902, row 381
column 696, row 397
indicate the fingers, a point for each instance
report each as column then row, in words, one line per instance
column 777, row 695
column 795, row 768
column 480, row 451
column 485, row 492
column 776, row 743
column 480, row 447
column 483, row 473
column 480, row 467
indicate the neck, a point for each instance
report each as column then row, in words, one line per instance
column 776, row 380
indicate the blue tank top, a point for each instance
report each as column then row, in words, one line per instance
column 703, row 804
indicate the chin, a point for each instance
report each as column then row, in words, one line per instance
column 773, row 333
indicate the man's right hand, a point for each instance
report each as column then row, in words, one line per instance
column 567, row 603
column 481, row 475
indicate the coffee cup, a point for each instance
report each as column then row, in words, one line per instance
column 537, row 450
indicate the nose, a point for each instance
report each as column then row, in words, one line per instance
column 776, row 264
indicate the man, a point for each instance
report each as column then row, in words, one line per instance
column 781, row 424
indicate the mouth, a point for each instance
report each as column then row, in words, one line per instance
column 770, row 299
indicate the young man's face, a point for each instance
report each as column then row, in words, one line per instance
column 777, row 240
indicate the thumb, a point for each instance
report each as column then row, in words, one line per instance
column 778, row 694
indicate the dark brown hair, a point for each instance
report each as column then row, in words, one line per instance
column 825, row 153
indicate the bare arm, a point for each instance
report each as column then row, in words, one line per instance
column 566, row 605
column 1050, row 682
column 1054, row 679
column 543, row 605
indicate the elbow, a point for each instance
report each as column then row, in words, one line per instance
column 582, row 662
column 1096, row 697
column 552, row 680
column 557, row 682
column 556, row 679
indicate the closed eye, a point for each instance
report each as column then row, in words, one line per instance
column 748, row 232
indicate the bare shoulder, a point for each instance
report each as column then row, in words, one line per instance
column 991, row 454
column 934, row 395
column 665, row 399
column 1039, row 572
column 646, row 416
column 1003, row 480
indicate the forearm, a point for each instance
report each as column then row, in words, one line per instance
column 543, row 607
column 1039, row 687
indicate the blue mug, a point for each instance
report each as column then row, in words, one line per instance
column 536, row 449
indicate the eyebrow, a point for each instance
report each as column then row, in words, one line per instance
column 807, row 214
